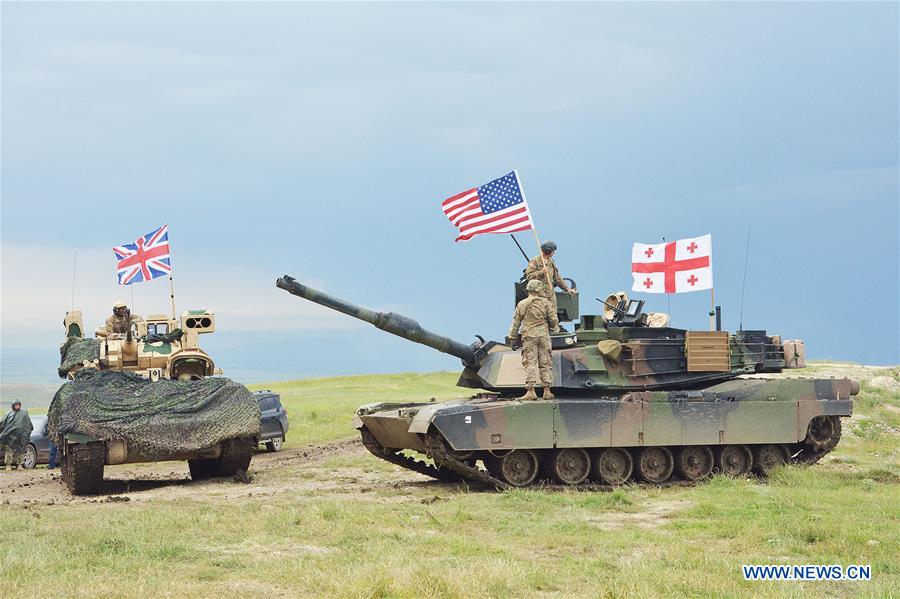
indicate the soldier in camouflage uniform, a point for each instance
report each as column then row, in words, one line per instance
column 537, row 318
column 120, row 320
column 15, row 432
column 535, row 272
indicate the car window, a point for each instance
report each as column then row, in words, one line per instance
column 265, row 403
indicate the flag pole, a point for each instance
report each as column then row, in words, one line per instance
column 712, row 308
column 172, row 295
column 536, row 238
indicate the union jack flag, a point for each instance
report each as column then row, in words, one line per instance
column 147, row 258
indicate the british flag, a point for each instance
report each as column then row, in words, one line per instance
column 147, row 258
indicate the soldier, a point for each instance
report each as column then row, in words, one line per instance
column 537, row 318
column 536, row 271
column 120, row 320
column 15, row 432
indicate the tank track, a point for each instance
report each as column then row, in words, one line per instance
column 395, row 457
column 437, row 451
column 82, row 467
column 236, row 456
column 450, row 468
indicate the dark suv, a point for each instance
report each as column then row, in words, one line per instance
column 273, row 420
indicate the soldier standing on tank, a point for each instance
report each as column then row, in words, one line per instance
column 540, row 265
column 15, row 433
column 537, row 318
column 121, row 319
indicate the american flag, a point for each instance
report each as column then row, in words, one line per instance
column 495, row 207
column 147, row 258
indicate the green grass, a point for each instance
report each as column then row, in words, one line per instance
column 322, row 409
column 359, row 539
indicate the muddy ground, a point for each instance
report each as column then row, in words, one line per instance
column 295, row 471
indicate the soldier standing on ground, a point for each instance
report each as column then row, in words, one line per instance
column 15, row 433
column 535, row 271
column 537, row 318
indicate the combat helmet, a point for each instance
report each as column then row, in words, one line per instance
column 534, row 285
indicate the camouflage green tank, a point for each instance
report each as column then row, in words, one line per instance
column 635, row 399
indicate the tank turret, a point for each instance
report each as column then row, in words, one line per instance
column 617, row 350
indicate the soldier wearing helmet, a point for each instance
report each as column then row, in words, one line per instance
column 15, row 431
column 121, row 319
column 542, row 264
column 535, row 318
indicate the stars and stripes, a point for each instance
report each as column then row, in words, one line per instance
column 673, row 267
column 495, row 207
column 145, row 259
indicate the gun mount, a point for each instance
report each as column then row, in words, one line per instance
column 396, row 324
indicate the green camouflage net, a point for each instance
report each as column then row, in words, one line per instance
column 75, row 351
column 154, row 418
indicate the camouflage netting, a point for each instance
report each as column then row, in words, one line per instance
column 155, row 418
column 75, row 351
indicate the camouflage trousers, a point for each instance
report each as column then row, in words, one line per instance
column 12, row 457
column 536, row 361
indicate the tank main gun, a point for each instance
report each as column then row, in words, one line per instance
column 397, row 324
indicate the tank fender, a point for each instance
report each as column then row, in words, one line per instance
column 832, row 399
column 497, row 425
column 422, row 420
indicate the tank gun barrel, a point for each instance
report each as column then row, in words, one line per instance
column 397, row 324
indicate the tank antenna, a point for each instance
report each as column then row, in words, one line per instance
column 668, row 296
column 744, row 283
column 524, row 255
column 74, row 267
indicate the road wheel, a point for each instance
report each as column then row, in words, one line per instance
column 767, row 457
column 823, row 433
column 519, row 468
column 655, row 464
column 82, row 468
column 694, row 462
column 274, row 444
column 613, row 466
column 569, row 466
column 734, row 460
column 30, row 459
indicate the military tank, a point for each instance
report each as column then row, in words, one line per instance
column 635, row 399
column 148, row 395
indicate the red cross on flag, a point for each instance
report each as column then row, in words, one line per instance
column 673, row 267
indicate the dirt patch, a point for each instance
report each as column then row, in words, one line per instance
column 654, row 515
column 294, row 470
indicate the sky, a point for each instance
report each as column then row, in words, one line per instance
column 318, row 140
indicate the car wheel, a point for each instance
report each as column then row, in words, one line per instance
column 30, row 460
column 275, row 444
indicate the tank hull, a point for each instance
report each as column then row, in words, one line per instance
column 748, row 414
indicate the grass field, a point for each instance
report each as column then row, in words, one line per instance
column 349, row 525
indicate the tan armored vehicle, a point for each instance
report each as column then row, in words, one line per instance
column 153, row 348
column 146, row 395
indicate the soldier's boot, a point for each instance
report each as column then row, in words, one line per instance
column 530, row 395
column 547, row 393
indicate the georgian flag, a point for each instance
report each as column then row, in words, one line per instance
column 674, row 267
